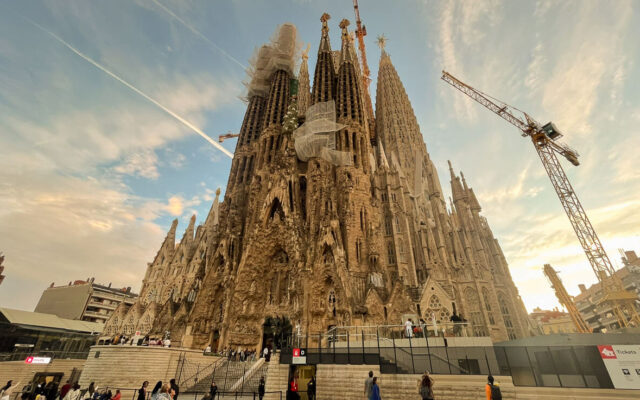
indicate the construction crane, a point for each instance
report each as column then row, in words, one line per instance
column 361, row 32
column 566, row 300
column 227, row 135
column 544, row 140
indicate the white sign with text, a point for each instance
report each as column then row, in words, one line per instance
column 623, row 364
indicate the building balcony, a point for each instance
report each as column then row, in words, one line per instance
column 96, row 314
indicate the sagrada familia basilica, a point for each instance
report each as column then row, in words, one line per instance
column 332, row 216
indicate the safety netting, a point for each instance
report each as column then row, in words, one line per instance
column 279, row 54
column 316, row 137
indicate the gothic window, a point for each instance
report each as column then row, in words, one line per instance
column 327, row 255
column 276, row 209
column 388, row 228
column 487, row 305
column 398, row 224
column 506, row 316
column 393, row 197
column 362, row 220
column 303, row 197
column 358, row 250
column 391, row 254
column 401, row 250
column 290, row 196
column 477, row 320
column 436, row 310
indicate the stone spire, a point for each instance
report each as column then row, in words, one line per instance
column 324, row 76
column 187, row 238
column 170, row 239
column 474, row 205
column 457, row 190
column 396, row 124
column 252, row 123
column 304, row 91
column 214, row 212
column 278, row 99
column 348, row 99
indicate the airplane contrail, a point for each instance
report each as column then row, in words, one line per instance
column 198, row 33
column 135, row 89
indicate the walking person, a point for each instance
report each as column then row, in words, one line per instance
column 261, row 388
column 408, row 328
column 293, row 389
column 8, row 389
column 213, row 390
column 165, row 392
column 88, row 394
column 118, row 395
column 367, row 385
column 74, row 393
column 311, row 389
column 375, row 390
column 142, row 392
column 156, row 390
column 175, row 388
column 426, row 387
column 492, row 390
column 65, row 389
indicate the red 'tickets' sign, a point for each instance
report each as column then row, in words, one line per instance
column 29, row 360
column 296, row 352
column 607, row 352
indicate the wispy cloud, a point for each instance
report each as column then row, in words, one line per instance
column 135, row 89
column 199, row 34
column 144, row 164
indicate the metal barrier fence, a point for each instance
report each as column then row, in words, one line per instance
column 550, row 366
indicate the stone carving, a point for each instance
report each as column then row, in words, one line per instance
column 324, row 244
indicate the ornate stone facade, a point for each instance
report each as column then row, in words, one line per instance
column 328, row 245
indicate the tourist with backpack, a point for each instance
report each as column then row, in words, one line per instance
column 492, row 390
column 426, row 387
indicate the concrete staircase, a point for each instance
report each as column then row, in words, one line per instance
column 343, row 382
column 277, row 379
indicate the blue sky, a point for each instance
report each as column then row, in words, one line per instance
column 91, row 173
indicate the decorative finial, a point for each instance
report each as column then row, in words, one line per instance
column 325, row 28
column 305, row 53
column 218, row 192
column 382, row 41
column 344, row 23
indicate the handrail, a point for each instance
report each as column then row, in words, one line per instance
column 214, row 365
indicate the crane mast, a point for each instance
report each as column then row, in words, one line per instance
column 361, row 32
column 544, row 138
column 566, row 300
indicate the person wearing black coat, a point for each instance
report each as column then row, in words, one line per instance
column 261, row 388
column 213, row 391
column 311, row 389
column 175, row 388
column 142, row 392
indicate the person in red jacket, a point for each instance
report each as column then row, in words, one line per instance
column 293, row 389
column 65, row 389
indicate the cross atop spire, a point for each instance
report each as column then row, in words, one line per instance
column 382, row 41
column 305, row 52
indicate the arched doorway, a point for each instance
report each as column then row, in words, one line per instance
column 276, row 333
